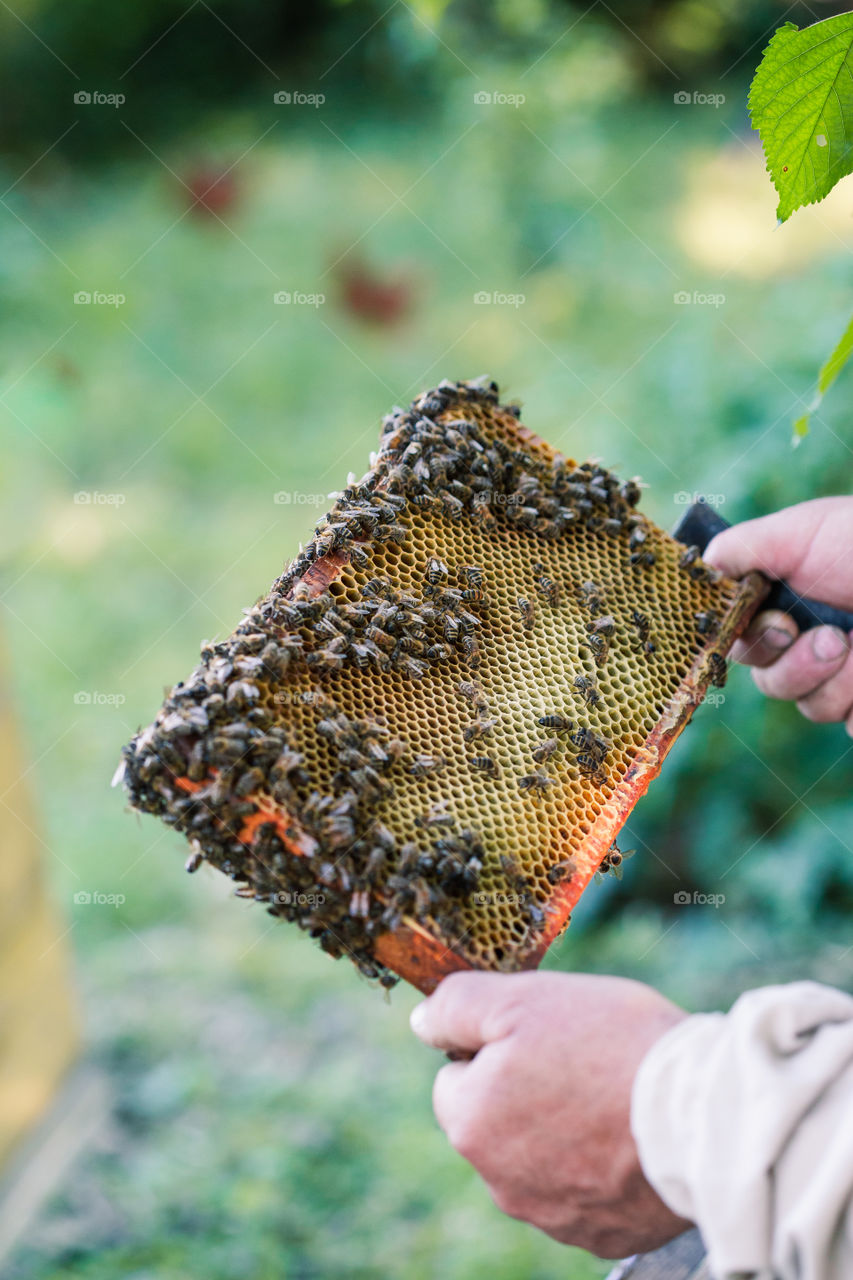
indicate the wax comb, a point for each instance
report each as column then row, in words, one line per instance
column 421, row 744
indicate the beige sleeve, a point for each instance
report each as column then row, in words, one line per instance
column 744, row 1125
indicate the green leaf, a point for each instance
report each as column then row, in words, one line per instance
column 841, row 353
column 801, row 103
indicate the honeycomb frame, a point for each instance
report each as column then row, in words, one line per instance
column 364, row 754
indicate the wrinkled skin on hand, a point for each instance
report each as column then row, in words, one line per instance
column 542, row 1109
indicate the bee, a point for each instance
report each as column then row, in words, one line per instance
column 586, row 740
column 472, row 651
column 332, row 537
column 589, row 766
column 376, row 636
column 399, row 476
column 638, row 537
column 288, row 762
column 718, row 669
column 708, row 623
column 479, row 729
column 527, row 609
column 642, row 624
column 195, row 859
column 359, row 906
column 471, row 690
column 514, row 874
column 645, row 558
column 330, row 658
column 250, row 781
column 701, row 572
column 367, row 781
column 592, row 597
column 598, row 647
column 476, row 595
column 481, row 514
column 197, row 765
column 613, row 860
column 485, row 764
column 472, row 574
column 560, row 724
column 363, row 654
column 689, row 557
column 414, row 668
column 586, row 689
column 436, row 571
column 242, row 693
column 468, row 622
column 544, row 750
column 409, row 643
column 453, row 506
column 603, row 626
column 553, row 528
column 332, row 624
column 337, row 729
column 548, row 588
column 630, row 492
column 424, row 766
column 416, row 625
column 537, row 781
column 376, row 862
column 561, row 871
column 435, row 817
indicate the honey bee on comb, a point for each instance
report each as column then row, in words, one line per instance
column 371, row 748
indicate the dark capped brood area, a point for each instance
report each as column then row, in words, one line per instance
column 434, row 723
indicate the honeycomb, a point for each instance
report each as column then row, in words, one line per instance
column 421, row 744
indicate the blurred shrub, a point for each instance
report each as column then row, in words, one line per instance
column 183, row 66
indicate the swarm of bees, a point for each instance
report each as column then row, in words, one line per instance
column 343, row 753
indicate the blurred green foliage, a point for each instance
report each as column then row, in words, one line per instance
column 188, row 65
column 273, row 1111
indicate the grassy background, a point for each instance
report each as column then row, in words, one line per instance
column 272, row 1112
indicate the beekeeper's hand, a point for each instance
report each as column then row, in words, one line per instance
column 811, row 547
column 542, row 1111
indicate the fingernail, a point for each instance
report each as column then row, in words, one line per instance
column 829, row 644
column 417, row 1018
column 776, row 638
